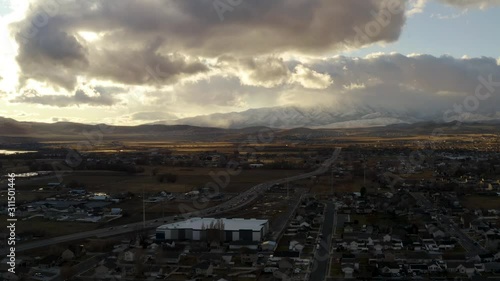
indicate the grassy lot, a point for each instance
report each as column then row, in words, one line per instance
column 28, row 196
column 425, row 175
column 336, row 270
column 458, row 249
column 49, row 228
column 133, row 211
column 324, row 185
column 187, row 179
column 284, row 243
column 360, row 218
column 477, row 201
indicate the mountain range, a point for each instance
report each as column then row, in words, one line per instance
column 13, row 131
column 322, row 117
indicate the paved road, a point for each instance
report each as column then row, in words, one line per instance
column 322, row 256
column 448, row 225
column 234, row 203
column 467, row 243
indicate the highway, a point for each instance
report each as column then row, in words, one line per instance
column 234, row 203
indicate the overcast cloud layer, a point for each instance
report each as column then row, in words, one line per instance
column 171, row 38
column 162, row 60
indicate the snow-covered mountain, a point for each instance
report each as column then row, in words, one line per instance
column 343, row 116
column 293, row 116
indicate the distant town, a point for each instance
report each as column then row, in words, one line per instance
column 392, row 209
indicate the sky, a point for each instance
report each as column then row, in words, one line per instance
column 131, row 62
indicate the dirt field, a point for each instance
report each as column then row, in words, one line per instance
column 483, row 202
column 324, row 185
column 48, row 228
column 187, row 180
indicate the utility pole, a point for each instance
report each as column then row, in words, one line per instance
column 287, row 186
column 143, row 209
column 331, row 179
column 364, row 172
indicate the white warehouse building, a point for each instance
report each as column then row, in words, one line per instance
column 224, row 230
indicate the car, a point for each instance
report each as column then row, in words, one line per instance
column 156, row 220
column 125, row 226
column 111, row 228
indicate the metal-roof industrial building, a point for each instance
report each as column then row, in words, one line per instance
column 203, row 229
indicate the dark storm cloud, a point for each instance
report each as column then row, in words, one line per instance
column 421, row 83
column 423, row 72
column 139, row 67
column 161, row 42
column 309, row 26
